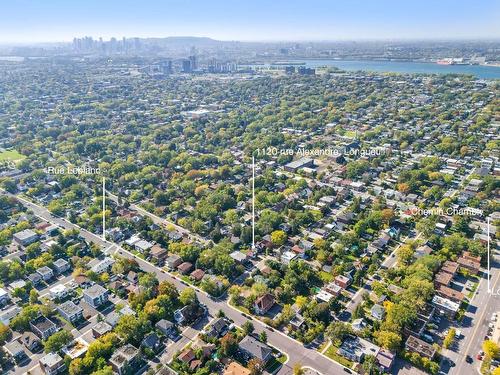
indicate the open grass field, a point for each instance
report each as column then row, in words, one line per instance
column 12, row 155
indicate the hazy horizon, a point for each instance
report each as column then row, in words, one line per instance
column 57, row 21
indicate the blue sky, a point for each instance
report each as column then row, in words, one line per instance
column 61, row 20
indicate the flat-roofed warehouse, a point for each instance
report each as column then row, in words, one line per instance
column 299, row 163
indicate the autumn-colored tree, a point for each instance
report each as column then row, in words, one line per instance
column 278, row 237
column 491, row 349
column 255, row 366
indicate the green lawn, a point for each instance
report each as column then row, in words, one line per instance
column 350, row 133
column 326, row 277
column 274, row 364
column 332, row 353
column 241, row 308
column 282, row 359
column 11, row 155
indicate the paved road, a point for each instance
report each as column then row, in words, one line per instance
column 474, row 326
column 389, row 262
column 161, row 221
column 295, row 351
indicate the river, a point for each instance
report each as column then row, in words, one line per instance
column 480, row 71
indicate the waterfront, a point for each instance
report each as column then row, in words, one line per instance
column 480, row 71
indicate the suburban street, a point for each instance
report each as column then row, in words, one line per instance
column 389, row 262
column 160, row 221
column 295, row 351
column 474, row 325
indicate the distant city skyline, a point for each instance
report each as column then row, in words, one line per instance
column 31, row 21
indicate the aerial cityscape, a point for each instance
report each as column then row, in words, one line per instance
column 216, row 188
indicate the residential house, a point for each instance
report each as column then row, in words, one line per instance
column 378, row 312
column 385, row 360
column 7, row 315
column 70, row 311
column 422, row 251
column 288, row 256
column 297, row 321
column 445, row 306
column 15, row 351
column 252, row 348
column 132, row 277
column 173, row 261
column 264, row 303
column 299, row 251
column 355, row 348
column 30, row 341
column 449, row 293
column 442, row 279
column 415, row 345
column 343, row 281
column 45, row 273
column 34, row 278
column 125, row 359
column 358, row 324
column 188, row 314
column 333, row 288
column 96, row 295
column 100, row 329
column 185, row 268
column 238, row 256
column 469, row 262
column 152, row 342
column 217, row 328
column 61, row 266
column 58, row 292
column 25, row 237
column 52, row 364
column 166, row 327
column 158, row 253
column 43, row 327
column 187, row 356
column 450, row 267
column 101, row 266
column 4, row 297
column 197, row 274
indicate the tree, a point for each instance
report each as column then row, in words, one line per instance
column 297, row 369
column 263, row 336
column 278, row 238
column 337, row 331
column 404, row 254
column 401, row 315
column 21, row 322
column 247, row 327
column 33, row 296
column 256, row 366
column 369, row 364
column 4, row 333
column 491, row 349
column 448, row 340
column 9, row 185
column 228, row 345
column 188, row 296
column 388, row 340
column 55, row 342
column 107, row 370
column 168, row 289
column 132, row 329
